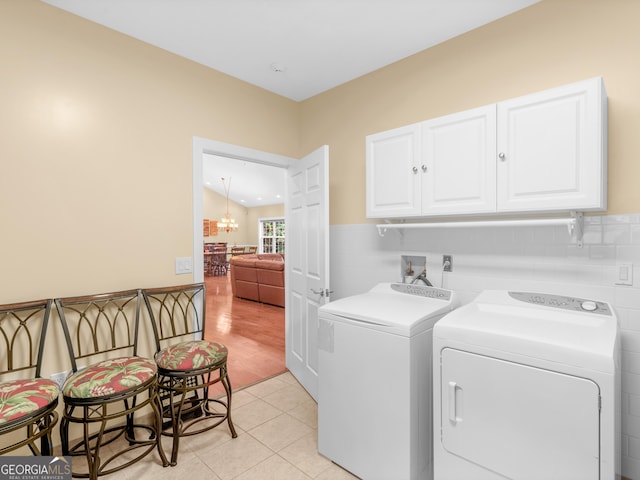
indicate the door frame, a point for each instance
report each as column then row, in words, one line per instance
column 214, row 147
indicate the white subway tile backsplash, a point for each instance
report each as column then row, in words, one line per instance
column 555, row 251
column 631, row 364
column 616, row 234
column 618, row 219
column 627, row 297
column 627, row 253
column 633, row 406
column 634, row 447
column 630, row 424
column 592, row 235
column 635, row 233
column 579, row 254
column 600, row 253
column 630, row 342
column 629, row 319
column 631, row 385
column 630, row 467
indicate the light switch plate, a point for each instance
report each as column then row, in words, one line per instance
column 184, row 265
column 625, row 274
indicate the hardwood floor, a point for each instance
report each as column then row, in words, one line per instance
column 252, row 332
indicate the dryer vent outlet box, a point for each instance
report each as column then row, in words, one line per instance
column 411, row 266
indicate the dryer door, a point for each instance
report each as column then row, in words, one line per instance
column 519, row 421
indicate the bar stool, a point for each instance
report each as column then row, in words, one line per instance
column 104, row 396
column 188, row 368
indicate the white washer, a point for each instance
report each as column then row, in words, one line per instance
column 527, row 387
column 374, row 380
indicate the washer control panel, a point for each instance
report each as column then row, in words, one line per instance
column 422, row 291
column 567, row 303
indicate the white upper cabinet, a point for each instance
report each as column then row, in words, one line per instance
column 552, row 150
column 459, row 154
column 543, row 152
column 393, row 180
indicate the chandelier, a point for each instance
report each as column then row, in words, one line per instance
column 227, row 223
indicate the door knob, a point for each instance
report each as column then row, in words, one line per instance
column 424, row 168
column 415, row 169
column 315, row 292
column 502, row 156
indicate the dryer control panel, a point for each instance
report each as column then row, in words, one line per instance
column 567, row 303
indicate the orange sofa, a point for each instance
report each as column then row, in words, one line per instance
column 258, row 277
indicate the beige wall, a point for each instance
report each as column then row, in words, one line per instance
column 95, row 142
column 546, row 45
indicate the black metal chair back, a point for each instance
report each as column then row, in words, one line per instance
column 27, row 401
column 176, row 313
column 97, row 326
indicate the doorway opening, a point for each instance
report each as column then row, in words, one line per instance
column 253, row 332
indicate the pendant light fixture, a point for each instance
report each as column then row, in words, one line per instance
column 227, row 223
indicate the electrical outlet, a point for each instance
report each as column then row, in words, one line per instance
column 59, row 378
column 447, row 263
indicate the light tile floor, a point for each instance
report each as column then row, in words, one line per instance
column 276, row 422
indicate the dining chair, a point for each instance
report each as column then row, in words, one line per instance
column 208, row 261
column 101, row 333
column 252, row 249
column 188, row 365
column 26, row 402
column 237, row 251
column 219, row 261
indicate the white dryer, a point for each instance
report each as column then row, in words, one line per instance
column 374, row 380
column 527, row 387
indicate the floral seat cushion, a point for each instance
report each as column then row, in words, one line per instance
column 20, row 398
column 191, row 355
column 109, row 377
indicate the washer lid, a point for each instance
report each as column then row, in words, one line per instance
column 393, row 307
column 537, row 325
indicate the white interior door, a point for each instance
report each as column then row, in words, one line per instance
column 307, row 263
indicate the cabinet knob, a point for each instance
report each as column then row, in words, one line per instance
column 502, row 156
column 424, row 168
column 415, row 169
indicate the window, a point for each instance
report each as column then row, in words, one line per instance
column 271, row 235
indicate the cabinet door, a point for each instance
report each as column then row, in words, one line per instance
column 459, row 154
column 552, row 149
column 393, row 188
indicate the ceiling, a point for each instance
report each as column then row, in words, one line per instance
column 294, row 48
column 252, row 184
